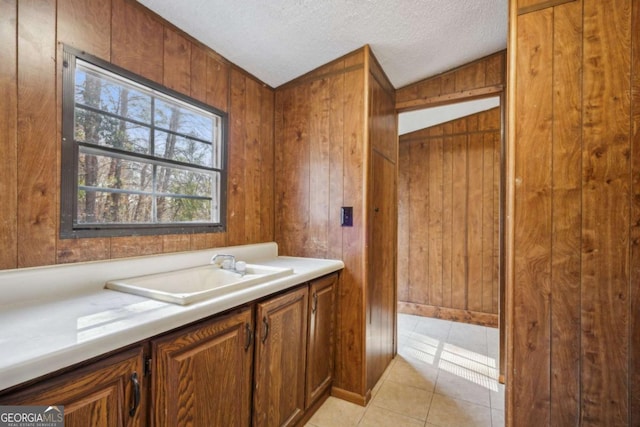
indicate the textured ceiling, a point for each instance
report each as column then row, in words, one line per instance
column 279, row 40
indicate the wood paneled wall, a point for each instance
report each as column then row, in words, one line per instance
column 478, row 79
column 449, row 186
column 128, row 35
column 8, row 134
column 322, row 131
column 574, row 209
column 382, row 234
column 527, row 6
column 320, row 152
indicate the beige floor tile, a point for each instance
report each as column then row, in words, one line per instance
column 459, row 383
column 470, row 337
column 445, row 373
column 497, row 398
column 493, row 337
column 410, row 401
column 414, row 374
column 380, row 417
column 407, row 322
column 448, row 412
column 337, row 413
column 434, row 328
column 376, row 388
column 384, row 376
column 497, row 418
column 420, row 348
column 468, row 360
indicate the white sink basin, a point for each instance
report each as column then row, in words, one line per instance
column 196, row 284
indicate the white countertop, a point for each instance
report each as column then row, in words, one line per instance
column 54, row 317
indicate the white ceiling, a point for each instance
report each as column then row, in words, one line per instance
column 279, row 40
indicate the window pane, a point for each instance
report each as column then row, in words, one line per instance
column 176, row 118
column 99, row 129
column 177, row 209
column 138, row 154
column 217, row 152
column 115, row 173
column 184, row 182
column 183, row 149
column 107, row 94
column 216, row 198
column 98, row 207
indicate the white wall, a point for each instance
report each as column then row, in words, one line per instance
column 411, row 121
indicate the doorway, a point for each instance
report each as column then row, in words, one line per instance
column 450, row 224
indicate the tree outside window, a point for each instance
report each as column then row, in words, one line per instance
column 136, row 158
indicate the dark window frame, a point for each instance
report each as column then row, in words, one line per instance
column 69, row 226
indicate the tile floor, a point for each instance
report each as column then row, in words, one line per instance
column 445, row 374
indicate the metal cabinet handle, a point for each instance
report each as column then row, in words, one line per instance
column 265, row 328
column 249, row 336
column 314, row 306
column 136, row 394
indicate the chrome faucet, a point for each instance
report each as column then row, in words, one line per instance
column 221, row 260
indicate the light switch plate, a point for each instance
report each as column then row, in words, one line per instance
column 346, row 216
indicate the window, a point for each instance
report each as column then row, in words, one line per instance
column 137, row 158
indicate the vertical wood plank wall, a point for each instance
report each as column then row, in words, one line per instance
column 323, row 132
column 449, row 220
column 8, row 134
column 480, row 78
column 319, row 123
column 573, row 281
column 382, row 233
column 126, row 34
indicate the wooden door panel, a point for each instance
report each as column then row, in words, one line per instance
column 281, row 336
column 98, row 395
column 203, row 375
column 320, row 348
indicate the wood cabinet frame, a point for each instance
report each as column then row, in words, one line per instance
column 100, row 394
column 276, row 350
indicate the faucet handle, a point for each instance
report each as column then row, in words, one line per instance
column 241, row 266
column 227, row 261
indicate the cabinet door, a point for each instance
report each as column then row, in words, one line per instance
column 202, row 374
column 320, row 347
column 103, row 394
column 281, row 339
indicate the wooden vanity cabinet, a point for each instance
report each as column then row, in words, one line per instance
column 107, row 393
column 201, row 375
column 321, row 337
column 281, row 346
